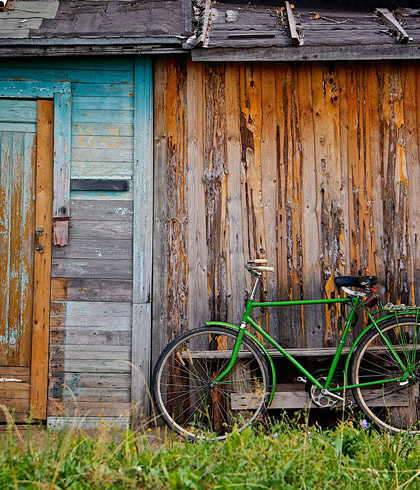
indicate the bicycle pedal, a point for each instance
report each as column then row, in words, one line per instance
column 300, row 379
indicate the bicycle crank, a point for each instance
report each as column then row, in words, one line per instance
column 323, row 398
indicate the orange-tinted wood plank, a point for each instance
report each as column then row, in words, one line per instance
column 42, row 285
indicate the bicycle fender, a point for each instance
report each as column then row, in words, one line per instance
column 260, row 345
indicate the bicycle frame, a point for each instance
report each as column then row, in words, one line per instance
column 352, row 302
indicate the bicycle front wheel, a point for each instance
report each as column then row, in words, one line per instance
column 395, row 405
column 184, row 392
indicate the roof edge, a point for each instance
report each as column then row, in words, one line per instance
column 361, row 52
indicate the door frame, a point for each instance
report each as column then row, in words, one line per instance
column 52, row 206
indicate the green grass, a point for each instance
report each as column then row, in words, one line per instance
column 282, row 455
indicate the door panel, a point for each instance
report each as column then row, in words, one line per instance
column 18, row 162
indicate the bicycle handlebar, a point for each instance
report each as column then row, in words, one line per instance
column 253, row 266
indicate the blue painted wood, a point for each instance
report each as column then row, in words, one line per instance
column 21, row 88
column 86, row 76
column 102, row 129
column 88, row 139
column 98, row 170
column 102, row 155
column 103, row 103
column 19, row 127
column 17, row 202
column 95, row 116
column 61, row 93
column 102, row 90
column 62, row 155
column 23, row 112
column 116, row 63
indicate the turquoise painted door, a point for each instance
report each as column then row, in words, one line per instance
column 18, row 124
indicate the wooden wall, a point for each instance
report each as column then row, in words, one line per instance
column 92, row 277
column 314, row 166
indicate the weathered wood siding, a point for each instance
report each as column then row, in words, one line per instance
column 314, row 166
column 92, row 285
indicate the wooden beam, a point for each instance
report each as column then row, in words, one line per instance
column 296, row 38
column 310, row 53
column 142, row 237
column 389, row 20
column 42, row 272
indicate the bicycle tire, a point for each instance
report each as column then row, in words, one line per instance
column 182, row 391
column 391, row 406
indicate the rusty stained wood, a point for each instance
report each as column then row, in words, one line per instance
column 313, row 166
column 42, row 268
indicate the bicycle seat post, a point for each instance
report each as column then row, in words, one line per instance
column 258, row 276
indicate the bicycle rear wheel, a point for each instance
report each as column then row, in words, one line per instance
column 393, row 406
column 183, row 391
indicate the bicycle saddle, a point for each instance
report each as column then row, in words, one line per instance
column 356, row 281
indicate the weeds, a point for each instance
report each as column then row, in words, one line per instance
column 284, row 455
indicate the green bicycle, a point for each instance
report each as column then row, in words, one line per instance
column 219, row 378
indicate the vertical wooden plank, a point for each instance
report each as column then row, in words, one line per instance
column 375, row 147
column 6, row 142
column 160, row 212
column 196, row 241
column 27, row 256
column 215, row 189
column 269, row 186
column 329, row 178
column 310, row 216
column 42, row 267
column 176, row 168
column 15, row 278
column 410, row 101
column 395, row 185
column 62, row 142
column 236, row 259
column 142, row 233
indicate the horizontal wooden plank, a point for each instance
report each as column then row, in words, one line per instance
column 97, row 116
column 92, row 268
column 102, row 322
column 95, row 249
column 63, row 74
column 102, row 90
column 99, row 308
column 102, row 210
column 104, row 169
column 105, row 129
column 89, row 366
column 87, row 422
column 88, row 380
column 96, row 395
column 90, row 352
column 18, row 417
column 102, row 155
column 105, row 409
column 75, row 289
column 24, row 112
column 87, row 139
column 15, row 372
column 91, row 336
column 106, row 196
column 118, row 63
column 12, row 390
column 17, row 404
column 102, row 103
column 100, row 229
column 17, row 127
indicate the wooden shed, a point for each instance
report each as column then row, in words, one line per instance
column 148, row 149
